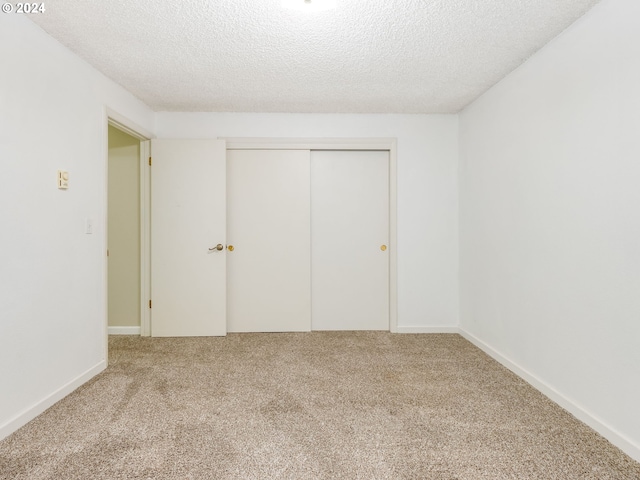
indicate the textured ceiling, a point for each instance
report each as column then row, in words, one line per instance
column 373, row 56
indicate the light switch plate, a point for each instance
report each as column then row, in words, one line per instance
column 63, row 179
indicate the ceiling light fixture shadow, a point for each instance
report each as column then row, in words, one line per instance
column 309, row 5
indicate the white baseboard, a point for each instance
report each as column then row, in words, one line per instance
column 123, row 330
column 32, row 412
column 619, row 440
column 442, row 329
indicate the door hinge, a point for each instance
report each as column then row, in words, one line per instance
column 107, row 252
column 149, row 303
column 149, row 161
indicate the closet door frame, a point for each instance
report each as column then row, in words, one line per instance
column 384, row 144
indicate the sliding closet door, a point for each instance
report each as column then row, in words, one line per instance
column 350, row 239
column 268, row 231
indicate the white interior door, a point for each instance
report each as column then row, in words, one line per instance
column 268, row 226
column 350, row 239
column 188, row 275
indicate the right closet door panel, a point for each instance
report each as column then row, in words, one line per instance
column 349, row 240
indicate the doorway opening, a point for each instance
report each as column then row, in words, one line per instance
column 123, row 233
column 127, row 227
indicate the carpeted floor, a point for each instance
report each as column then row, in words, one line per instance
column 344, row 405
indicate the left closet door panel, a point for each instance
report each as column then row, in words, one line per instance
column 268, row 226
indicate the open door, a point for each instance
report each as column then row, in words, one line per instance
column 188, row 235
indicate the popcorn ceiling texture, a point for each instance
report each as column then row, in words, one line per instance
column 374, row 56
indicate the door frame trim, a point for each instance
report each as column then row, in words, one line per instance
column 384, row 144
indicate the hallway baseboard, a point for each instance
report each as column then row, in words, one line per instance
column 124, row 330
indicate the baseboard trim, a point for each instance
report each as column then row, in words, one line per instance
column 441, row 329
column 123, row 330
column 619, row 440
column 32, row 412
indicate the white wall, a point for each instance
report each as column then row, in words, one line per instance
column 52, row 275
column 550, row 220
column 427, row 153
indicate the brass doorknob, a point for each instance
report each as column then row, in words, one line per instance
column 230, row 248
column 383, row 248
column 218, row 247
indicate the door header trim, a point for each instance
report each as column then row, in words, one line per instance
column 261, row 143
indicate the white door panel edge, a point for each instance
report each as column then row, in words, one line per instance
column 145, row 238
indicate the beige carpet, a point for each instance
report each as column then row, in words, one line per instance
column 307, row 406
